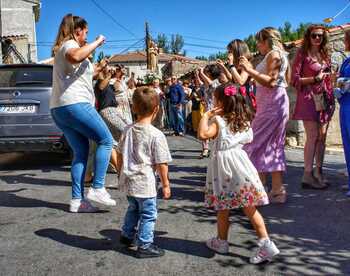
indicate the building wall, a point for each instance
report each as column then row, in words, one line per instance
column 10, row 25
column 139, row 68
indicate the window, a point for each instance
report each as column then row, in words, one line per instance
column 26, row 77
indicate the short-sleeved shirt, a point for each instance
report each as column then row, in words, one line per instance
column 142, row 146
column 209, row 94
column 72, row 83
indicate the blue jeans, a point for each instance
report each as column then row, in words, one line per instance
column 344, row 114
column 79, row 123
column 142, row 212
column 177, row 118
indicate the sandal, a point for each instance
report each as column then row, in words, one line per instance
column 319, row 176
column 311, row 182
column 204, row 154
column 278, row 197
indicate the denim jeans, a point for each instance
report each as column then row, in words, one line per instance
column 142, row 212
column 344, row 114
column 79, row 123
column 177, row 118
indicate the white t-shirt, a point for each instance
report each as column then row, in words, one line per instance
column 158, row 90
column 71, row 83
column 142, row 146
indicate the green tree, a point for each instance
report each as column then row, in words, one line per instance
column 201, row 57
column 219, row 55
column 162, row 42
column 251, row 42
column 176, row 44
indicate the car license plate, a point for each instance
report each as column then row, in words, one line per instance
column 10, row 109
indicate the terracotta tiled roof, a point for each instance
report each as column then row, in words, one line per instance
column 13, row 36
column 140, row 56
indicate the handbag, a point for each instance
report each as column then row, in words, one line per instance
column 320, row 101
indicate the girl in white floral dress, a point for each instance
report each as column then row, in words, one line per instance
column 232, row 180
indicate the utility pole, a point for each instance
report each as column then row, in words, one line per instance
column 147, row 40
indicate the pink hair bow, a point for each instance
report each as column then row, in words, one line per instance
column 230, row 91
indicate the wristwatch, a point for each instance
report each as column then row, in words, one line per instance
column 232, row 66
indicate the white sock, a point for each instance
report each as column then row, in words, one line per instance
column 263, row 240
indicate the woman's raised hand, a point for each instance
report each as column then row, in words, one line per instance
column 100, row 39
column 244, row 63
column 230, row 58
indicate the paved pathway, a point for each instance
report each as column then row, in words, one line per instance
column 39, row 237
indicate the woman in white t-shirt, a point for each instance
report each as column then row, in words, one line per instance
column 73, row 110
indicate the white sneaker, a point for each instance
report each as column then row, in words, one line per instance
column 265, row 252
column 217, row 245
column 101, row 196
column 82, row 206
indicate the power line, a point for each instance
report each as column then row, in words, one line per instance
column 204, row 39
column 194, row 37
column 205, row 46
column 131, row 46
column 112, row 18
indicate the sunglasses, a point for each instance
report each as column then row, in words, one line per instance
column 316, row 35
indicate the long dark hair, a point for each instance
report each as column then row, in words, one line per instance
column 238, row 48
column 236, row 111
column 307, row 41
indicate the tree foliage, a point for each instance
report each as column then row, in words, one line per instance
column 163, row 42
column 201, row 57
column 219, row 55
column 176, row 44
column 287, row 33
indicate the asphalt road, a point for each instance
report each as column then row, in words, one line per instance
column 38, row 236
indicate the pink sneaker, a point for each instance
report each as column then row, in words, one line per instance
column 265, row 252
column 81, row 206
column 217, row 245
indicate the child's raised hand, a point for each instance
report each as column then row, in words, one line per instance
column 166, row 192
column 215, row 111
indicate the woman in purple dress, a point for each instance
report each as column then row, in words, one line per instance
column 269, row 125
column 310, row 77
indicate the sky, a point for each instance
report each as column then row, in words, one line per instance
column 207, row 26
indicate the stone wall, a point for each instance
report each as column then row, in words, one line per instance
column 295, row 129
column 18, row 18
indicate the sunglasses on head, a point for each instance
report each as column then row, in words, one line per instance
column 316, row 35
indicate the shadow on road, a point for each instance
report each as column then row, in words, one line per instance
column 29, row 179
column 111, row 242
column 36, row 160
column 12, row 200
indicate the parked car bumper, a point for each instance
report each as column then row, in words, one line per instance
column 25, row 144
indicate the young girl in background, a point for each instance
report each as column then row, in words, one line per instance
column 232, row 180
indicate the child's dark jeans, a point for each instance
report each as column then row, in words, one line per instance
column 142, row 212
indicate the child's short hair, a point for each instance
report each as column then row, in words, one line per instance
column 144, row 100
column 236, row 110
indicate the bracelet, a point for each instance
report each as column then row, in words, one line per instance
column 232, row 66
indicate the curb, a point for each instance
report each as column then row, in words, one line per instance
column 329, row 150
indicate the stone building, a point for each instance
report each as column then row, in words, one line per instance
column 136, row 62
column 18, row 37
